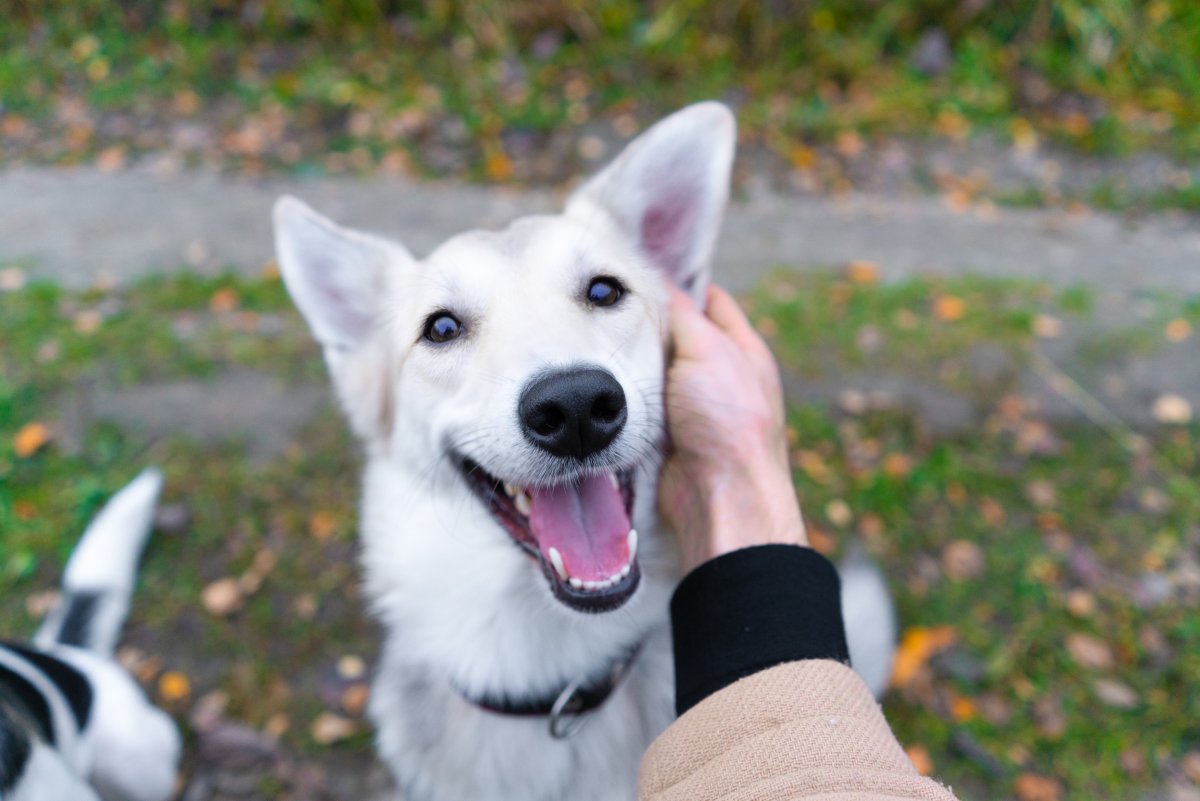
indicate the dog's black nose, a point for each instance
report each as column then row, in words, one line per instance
column 574, row 412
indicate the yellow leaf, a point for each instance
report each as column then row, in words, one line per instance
column 1031, row 787
column 174, row 686
column 498, row 166
column 949, row 308
column 919, row 756
column 962, row 709
column 30, row 439
column 863, row 272
column 917, row 646
column 1178, row 330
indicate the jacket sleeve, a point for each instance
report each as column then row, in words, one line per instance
column 801, row 730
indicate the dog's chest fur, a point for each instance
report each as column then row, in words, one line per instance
column 468, row 614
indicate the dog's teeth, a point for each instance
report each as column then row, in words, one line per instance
column 522, row 502
column 511, row 489
column 632, row 544
column 557, row 562
column 613, row 478
column 625, row 570
column 576, row 583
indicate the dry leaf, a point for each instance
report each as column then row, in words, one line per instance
column 354, row 699
column 1047, row 327
column 1089, row 652
column 330, row 728
column 11, row 279
column 963, row 560
column 30, row 439
column 962, row 709
column 919, row 756
column 498, row 167
column 1041, row 494
column 838, row 512
column 322, row 525
column 949, row 308
column 1191, row 766
column 1115, row 694
column 1172, row 409
column 918, row 644
column 1081, row 603
column 897, row 465
column 277, row 725
column 223, row 597
column 223, row 301
column 1178, row 330
column 351, row 667
column 88, row 321
column 111, row 159
column 1031, row 787
column 863, row 272
column 174, row 686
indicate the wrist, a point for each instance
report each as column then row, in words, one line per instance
column 755, row 505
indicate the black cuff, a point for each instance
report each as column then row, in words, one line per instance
column 750, row 610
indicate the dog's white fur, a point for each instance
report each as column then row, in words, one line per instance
column 129, row 749
column 464, row 610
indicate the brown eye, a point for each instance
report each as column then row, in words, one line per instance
column 604, row 291
column 442, row 327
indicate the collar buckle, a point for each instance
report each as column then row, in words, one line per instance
column 567, row 716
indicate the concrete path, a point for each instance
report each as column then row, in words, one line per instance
column 78, row 225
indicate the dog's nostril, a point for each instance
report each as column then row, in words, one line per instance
column 607, row 408
column 548, row 420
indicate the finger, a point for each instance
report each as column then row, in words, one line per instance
column 728, row 316
column 690, row 329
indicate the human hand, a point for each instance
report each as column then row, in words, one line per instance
column 726, row 483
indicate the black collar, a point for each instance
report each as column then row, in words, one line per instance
column 567, row 707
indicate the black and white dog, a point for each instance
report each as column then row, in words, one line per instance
column 74, row 725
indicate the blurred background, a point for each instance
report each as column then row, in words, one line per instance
column 968, row 228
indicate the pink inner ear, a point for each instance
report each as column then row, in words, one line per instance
column 667, row 232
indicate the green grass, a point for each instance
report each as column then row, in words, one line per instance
column 1030, row 495
column 369, row 79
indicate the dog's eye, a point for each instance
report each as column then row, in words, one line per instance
column 442, row 327
column 604, row 291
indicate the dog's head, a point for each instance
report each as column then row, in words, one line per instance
column 528, row 360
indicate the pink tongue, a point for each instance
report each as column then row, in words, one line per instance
column 586, row 523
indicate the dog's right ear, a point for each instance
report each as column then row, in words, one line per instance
column 335, row 275
column 339, row 280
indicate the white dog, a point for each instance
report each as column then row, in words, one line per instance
column 74, row 726
column 508, row 390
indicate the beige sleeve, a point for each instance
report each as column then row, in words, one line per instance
column 804, row 730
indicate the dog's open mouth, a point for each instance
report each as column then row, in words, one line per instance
column 579, row 532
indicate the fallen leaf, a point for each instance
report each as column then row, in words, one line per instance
column 223, row 301
column 1048, row 716
column 897, row 465
column 962, row 708
column 111, row 159
column 208, row 711
column 949, row 308
column 88, row 321
column 1081, row 603
column 354, row 699
column 1178, row 330
column 1191, row 766
column 993, row 513
column 1089, row 652
column 918, row 644
column 498, row 166
column 30, row 439
column 322, row 525
column 963, row 560
column 1115, row 693
column 1031, row 787
column 277, row 725
column 1047, row 327
column 863, row 272
column 1133, row 762
column 330, row 728
column 848, row 144
column 919, row 756
column 174, row 686
column 1041, row 493
column 11, row 279
column 223, row 597
column 351, row 667
column 838, row 512
column 1172, row 410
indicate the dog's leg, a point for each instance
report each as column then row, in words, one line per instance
column 99, row 578
column 870, row 619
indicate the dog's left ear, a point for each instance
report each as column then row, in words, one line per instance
column 667, row 191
